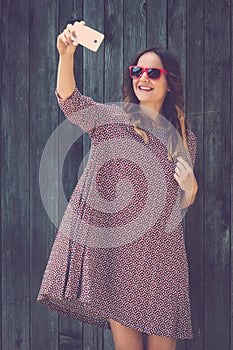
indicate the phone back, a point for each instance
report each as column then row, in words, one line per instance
column 88, row 37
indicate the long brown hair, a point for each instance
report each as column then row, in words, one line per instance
column 173, row 104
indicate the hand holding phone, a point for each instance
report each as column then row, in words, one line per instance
column 66, row 45
column 87, row 36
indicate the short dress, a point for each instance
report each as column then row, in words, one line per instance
column 119, row 251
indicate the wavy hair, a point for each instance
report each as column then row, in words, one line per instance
column 173, row 104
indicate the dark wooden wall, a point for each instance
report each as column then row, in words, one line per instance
column 200, row 33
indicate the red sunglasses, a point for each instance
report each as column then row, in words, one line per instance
column 152, row 73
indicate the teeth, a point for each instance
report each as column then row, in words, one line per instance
column 145, row 88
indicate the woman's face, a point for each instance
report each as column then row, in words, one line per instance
column 154, row 97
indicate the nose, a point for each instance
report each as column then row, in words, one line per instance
column 144, row 76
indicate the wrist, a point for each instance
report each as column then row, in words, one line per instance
column 66, row 56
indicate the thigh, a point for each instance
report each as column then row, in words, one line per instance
column 155, row 342
column 125, row 338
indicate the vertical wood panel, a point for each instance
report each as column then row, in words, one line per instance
column 113, row 30
column 15, row 177
column 156, row 23
column 43, row 121
column 176, row 24
column 194, row 216
column 2, row 45
column 134, row 28
column 216, row 175
column 231, row 188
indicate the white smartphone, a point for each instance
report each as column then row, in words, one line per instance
column 87, row 36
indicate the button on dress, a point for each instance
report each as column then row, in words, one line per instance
column 119, row 251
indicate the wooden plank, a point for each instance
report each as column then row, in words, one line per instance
column 216, row 175
column 70, row 334
column 93, row 62
column 231, row 189
column 156, row 23
column 134, row 29
column 108, row 340
column 2, row 45
column 70, row 330
column 43, row 121
column 15, row 176
column 113, row 62
column 194, row 216
column 92, row 337
column 176, row 24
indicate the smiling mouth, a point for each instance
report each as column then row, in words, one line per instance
column 145, row 88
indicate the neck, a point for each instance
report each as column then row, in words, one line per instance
column 155, row 109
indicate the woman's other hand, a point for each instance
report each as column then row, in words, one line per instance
column 185, row 177
column 66, row 44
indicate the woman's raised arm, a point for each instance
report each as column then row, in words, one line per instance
column 66, row 47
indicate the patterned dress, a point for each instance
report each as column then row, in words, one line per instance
column 119, row 251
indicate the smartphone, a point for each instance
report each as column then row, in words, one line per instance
column 87, row 36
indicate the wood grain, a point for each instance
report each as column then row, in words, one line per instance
column 156, row 21
column 43, row 121
column 15, row 178
column 231, row 191
column 113, row 63
column 134, row 29
column 194, row 217
column 216, row 213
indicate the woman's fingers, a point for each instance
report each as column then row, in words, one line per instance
column 81, row 22
column 70, row 36
column 63, row 39
column 183, row 162
column 66, row 41
column 71, row 32
column 184, row 174
column 177, row 171
column 182, row 165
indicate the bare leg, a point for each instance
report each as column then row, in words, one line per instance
column 155, row 342
column 125, row 338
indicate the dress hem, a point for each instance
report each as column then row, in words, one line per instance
column 104, row 323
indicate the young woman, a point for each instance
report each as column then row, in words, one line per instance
column 141, row 284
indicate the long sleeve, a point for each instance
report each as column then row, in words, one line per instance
column 79, row 109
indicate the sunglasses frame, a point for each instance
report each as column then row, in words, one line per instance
column 144, row 69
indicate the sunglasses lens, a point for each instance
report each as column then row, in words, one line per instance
column 154, row 73
column 136, row 72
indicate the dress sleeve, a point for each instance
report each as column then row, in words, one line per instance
column 192, row 145
column 79, row 109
